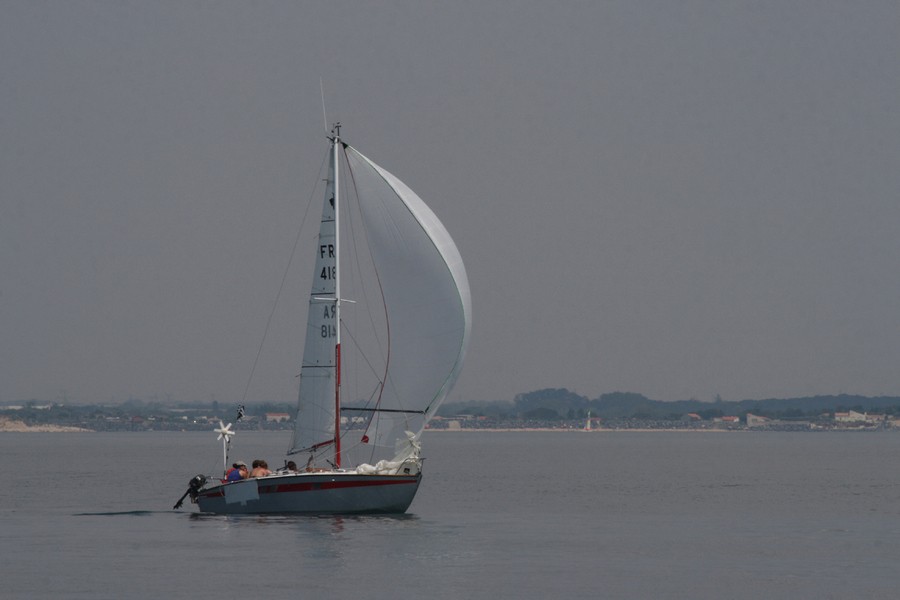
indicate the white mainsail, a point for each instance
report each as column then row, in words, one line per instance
column 316, row 407
column 427, row 308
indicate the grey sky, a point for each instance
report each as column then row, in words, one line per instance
column 681, row 199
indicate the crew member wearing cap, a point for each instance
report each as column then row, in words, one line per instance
column 237, row 471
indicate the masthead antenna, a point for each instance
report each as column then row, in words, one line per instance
column 324, row 114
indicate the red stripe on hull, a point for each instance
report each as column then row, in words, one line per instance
column 312, row 486
column 326, row 485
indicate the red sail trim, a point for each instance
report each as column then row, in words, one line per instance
column 321, row 445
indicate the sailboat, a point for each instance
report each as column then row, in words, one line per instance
column 360, row 452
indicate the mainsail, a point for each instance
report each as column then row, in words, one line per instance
column 316, row 408
column 427, row 307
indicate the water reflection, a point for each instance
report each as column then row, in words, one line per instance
column 330, row 539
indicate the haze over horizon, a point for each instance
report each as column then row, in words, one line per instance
column 682, row 200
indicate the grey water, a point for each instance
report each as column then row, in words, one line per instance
column 498, row 515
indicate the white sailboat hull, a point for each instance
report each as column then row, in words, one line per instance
column 312, row 493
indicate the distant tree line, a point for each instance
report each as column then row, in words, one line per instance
column 548, row 404
column 560, row 403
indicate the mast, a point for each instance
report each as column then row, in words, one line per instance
column 336, row 144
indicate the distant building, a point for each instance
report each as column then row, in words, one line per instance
column 850, row 417
column 277, row 417
column 756, row 420
column 858, row 417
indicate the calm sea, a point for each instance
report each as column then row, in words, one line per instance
column 498, row 515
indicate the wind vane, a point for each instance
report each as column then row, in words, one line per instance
column 225, row 434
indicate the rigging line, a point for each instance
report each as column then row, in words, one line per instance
column 283, row 279
column 363, row 287
column 346, row 330
column 358, row 442
column 386, row 410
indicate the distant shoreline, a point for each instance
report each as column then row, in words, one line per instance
column 597, row 430
column 10, row 425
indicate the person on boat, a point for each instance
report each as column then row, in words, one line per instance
column 237, row 471
column 291, row 467
column 260, row 469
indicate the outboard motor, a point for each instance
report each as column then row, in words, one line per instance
column 194, row 486
column 193, row 489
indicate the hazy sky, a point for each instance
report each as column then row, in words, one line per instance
column 680, row 199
